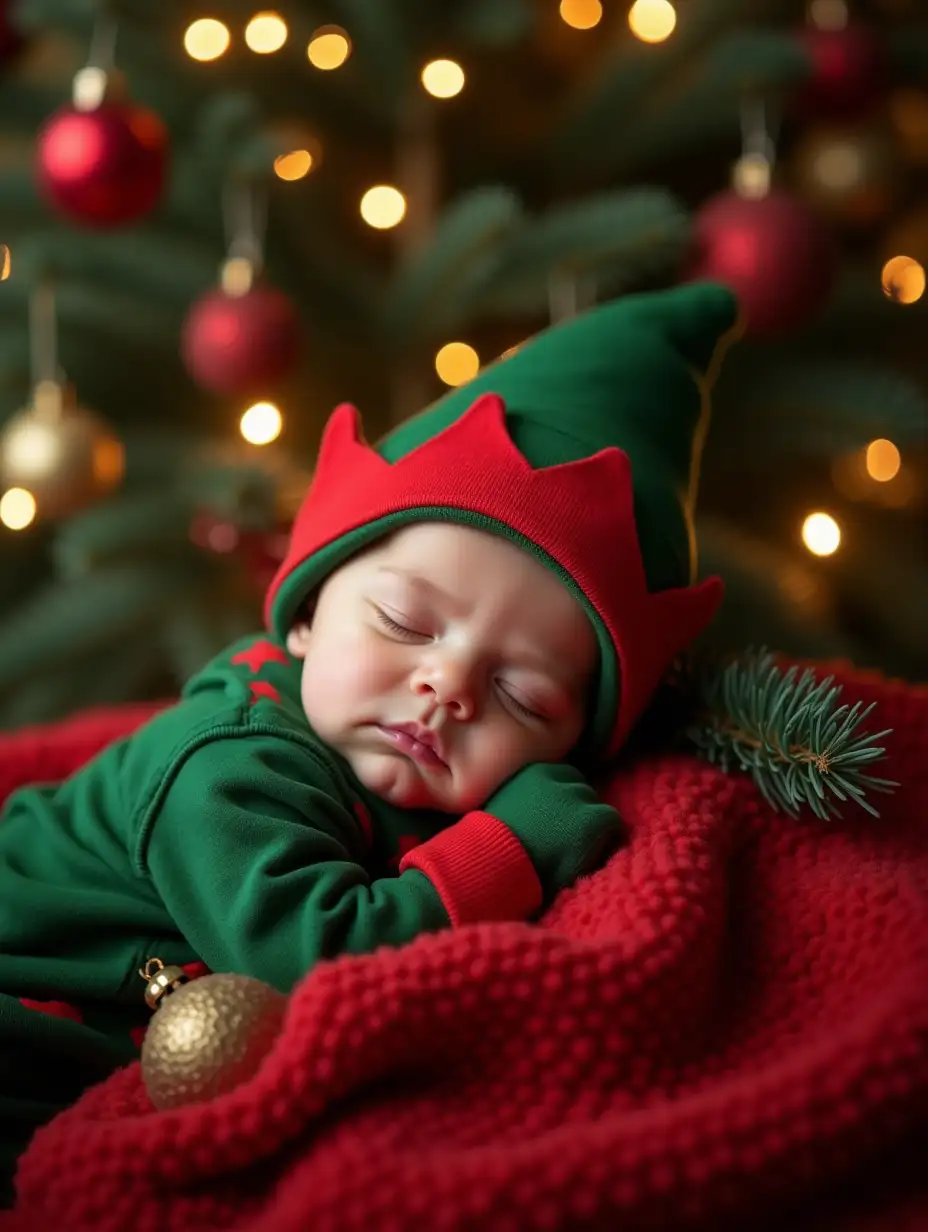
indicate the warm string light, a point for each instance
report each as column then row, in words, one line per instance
column 883, row 460
column 903, row 280
column 261, row 423
column 294, row 165
column 328, row 48
column 456, row 363
column 17, row 509
column 4, row 262
column 443, row 78
column 821, row 534
column 383, row 206
column 652, row 21
column 875, row 474
column 581, row 14
column 266, row 33
column 206, row 39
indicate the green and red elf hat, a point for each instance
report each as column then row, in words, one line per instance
column 582, row 447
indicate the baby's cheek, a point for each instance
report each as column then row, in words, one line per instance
column 348, row 670
column 503, row 753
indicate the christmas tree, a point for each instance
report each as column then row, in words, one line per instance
column 217, row 226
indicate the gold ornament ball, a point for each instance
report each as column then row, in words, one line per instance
column 209, row 1037
column 851, row 175
column 64, row 454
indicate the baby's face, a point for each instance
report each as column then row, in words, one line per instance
column 441, row 662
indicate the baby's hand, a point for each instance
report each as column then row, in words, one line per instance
column 561, row 822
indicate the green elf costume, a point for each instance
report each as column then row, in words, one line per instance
column 225, row 833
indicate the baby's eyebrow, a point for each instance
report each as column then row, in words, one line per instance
column 423, row 583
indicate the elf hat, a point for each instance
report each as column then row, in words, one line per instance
column 582, row 447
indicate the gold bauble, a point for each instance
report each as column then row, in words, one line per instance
column 62, row 453
column 208, row 1037
column 851, row 175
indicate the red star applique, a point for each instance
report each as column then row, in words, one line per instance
column 258, row 654
column 406, row 844
column 55, row 1009
column 261, row 688
column 364, row 818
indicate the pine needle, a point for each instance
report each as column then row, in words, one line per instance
column 789, row 732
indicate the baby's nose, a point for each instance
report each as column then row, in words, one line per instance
column 451, row 685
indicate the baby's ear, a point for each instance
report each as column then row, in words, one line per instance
column 298, row 639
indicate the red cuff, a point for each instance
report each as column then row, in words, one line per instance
column 480, row 870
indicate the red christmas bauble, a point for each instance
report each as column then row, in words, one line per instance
column 105, row 167
column 241, row 344
column 772, row 251
column 849, row 71
column 261, row 552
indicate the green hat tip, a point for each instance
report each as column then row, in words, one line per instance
column 697, row 318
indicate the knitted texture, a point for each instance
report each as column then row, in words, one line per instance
column 728, row 1022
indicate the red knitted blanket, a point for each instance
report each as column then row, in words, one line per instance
column 727, row 1026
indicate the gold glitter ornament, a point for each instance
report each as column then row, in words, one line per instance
column 62, row 453
column 207, row 1036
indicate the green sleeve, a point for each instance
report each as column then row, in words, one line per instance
column 256, row 859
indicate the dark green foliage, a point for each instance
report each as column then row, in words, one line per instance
column 570, row 158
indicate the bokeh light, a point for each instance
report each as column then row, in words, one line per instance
column 328, row 48
column 821, row 534
column 581, row 14
column 903, row 280
column 17, row 509
column 266, row 33
column 261, row 423
column 456, row 363
column 383, row 206
column 828, row 14
column 443, row 78
column 206, row 39
column 883, row 460
column 652, row 21
column 294, row 165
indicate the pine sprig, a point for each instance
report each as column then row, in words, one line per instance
column 789, row 732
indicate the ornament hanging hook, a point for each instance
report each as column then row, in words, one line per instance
column 756, row 129
column 753, row 172
column 245, row 217
column 245, row 212
column 43, row 335
column 93, row 83
column 102, row 52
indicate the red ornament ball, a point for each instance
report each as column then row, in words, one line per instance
column 105, row 167
column 849, row 71
column 772, row 251
column 261, row 552
column 241, row 344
